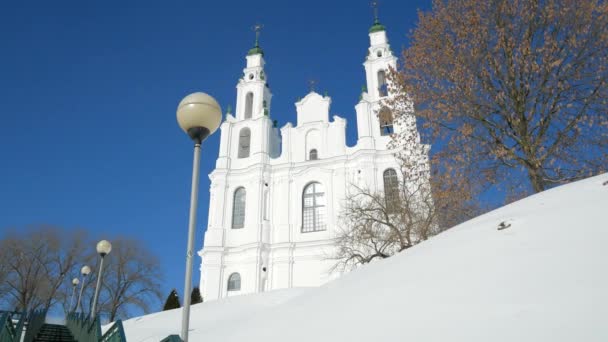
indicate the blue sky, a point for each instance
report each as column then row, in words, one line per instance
column 88, row 92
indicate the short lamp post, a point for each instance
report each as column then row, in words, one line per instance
column 199, row 115
column 104, row 247
column 85, row 270
column 75, row 283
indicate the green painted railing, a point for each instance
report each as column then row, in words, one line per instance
column 172, row 338
column 12, row 325
column 19, row 327
column 7, row 330
column 35, row 321
column 86, row 330
column 83, row 328
column 116, row 333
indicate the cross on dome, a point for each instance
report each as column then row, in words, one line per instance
column 376, row 27
column 257, row 49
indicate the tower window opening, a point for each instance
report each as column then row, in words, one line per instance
column 248, row 105
column 234, row 282
column 313, row 155
column 244, row 143
column 382, row 86
column 391, row 190
column 238, row 208
column 386, row 121
column 313, row 208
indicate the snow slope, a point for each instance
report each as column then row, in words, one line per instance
column 545, row 278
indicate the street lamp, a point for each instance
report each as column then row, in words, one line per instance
column 104, row 247
column 75, row 283
column 85, row 270
column 199, row 115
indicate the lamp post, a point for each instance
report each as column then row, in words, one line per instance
column 75, row 283
column 104, row 247
column 199, row 115
column 85, row 270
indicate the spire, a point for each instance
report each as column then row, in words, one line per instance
column 376, row 27
column 256, row 49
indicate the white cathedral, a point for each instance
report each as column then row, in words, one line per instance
column 276, row 194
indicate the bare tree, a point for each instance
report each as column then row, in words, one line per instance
column 36, row 263
column 514, row 91
column 25, row 275
column 377, row 224
column 131, row 279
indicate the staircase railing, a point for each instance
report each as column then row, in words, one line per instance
column 35, row 321
column 83, row 328
column 116, row 333
column 7, row 330
column 19, row 327
column 86, row 330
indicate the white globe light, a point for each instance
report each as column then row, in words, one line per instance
column 75, row 281
column 199, row 115
column 85, row 270
column 104, row 247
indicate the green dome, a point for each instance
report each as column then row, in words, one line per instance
column 377, row 27
column 255, row 50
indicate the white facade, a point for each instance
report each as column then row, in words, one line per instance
column 262, row 173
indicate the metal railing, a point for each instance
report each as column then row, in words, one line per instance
column 116, row 333
column 35, row 321
column 12, row 325
column 83, row 328
column 86, row 329
column 7, row 329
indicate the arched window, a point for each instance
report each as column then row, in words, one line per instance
column 391, row 189
column 386, row 121
column 313, row 208
column 234, row 282
column 238, row 208
column 248, row 105
column 312, row 155
column 244, row 142
column 382, row 87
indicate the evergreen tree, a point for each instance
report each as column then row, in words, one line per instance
column 172, row 301
column 196, row 298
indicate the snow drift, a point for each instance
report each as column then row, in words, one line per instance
column 543, row 278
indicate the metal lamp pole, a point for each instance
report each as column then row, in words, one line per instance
column 85, row 270
column 199, row 115
column 75, row 283
column 103, row 248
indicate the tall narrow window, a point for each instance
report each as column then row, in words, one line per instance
column 386, row 121
column 248, row 105
column 244, row 142
column 238, row 208
column 234, row 282
column 312, row 155
column 382, row 87
column 313, row 208
column 391, row 189
column 266, row 205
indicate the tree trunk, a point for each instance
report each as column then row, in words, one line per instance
column 536, row 179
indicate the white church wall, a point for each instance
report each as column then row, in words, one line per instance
column 271, row 250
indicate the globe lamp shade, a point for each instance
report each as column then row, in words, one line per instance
column 199, row 115
column 104, row 247
column 75, row 281
column 85, row 270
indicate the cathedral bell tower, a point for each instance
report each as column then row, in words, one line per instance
column 248, row 135
column 374, row 124
column 253, row 95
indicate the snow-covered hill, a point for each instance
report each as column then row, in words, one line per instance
column 544, row 278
